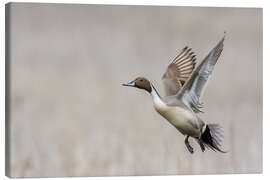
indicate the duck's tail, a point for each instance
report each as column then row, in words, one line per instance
column 212, row 137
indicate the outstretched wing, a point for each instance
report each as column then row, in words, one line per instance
column 178, row 71
column 194, row 87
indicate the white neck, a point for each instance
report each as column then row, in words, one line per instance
column 158, row 103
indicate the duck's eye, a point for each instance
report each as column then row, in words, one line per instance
column 141, row 80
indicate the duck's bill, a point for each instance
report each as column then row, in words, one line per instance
column 131, row 84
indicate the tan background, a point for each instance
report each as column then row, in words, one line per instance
column 70, row 116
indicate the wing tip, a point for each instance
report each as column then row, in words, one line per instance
column 224, row 37
column 220, row 45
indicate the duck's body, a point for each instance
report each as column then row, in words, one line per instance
column 180, row 106
column 180, row 117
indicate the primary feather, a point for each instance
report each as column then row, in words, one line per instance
column 194, row 87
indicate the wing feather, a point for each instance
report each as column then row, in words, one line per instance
column 195, row 85
column 178, row 71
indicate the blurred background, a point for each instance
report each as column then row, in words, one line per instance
column 70, row 116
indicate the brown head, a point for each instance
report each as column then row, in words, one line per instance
column 141, row 83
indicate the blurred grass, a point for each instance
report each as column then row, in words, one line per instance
column 70, row 116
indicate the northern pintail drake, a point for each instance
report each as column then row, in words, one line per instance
column 184, row 85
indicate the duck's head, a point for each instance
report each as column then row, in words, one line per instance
column 141, row 83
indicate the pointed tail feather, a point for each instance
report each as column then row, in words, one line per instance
column 212, row 137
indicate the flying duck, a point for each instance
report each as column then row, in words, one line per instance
column 184, row 85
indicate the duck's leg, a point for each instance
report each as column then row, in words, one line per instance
column 201, row 144
column 190, row 149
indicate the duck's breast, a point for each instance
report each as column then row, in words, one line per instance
column 183, row 119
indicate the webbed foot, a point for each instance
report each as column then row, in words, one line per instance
column 190, row 149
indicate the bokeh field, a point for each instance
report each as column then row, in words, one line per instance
column 70, row 116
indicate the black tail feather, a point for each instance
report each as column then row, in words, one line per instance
column 212, row 137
